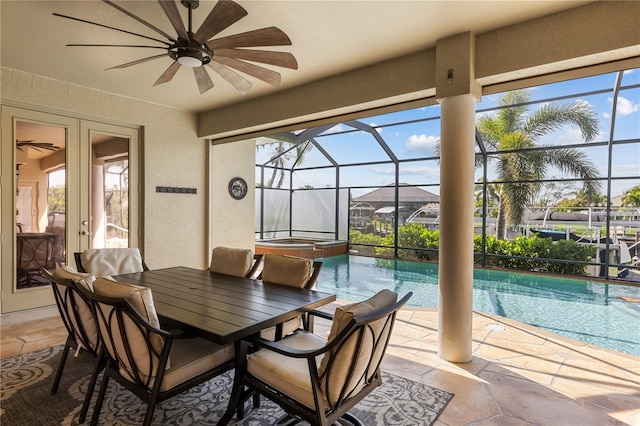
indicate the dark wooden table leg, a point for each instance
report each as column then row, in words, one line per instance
column 241, row 348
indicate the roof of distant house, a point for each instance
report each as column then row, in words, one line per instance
column 406, row 194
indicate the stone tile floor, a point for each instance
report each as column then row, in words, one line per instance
column 519, row 375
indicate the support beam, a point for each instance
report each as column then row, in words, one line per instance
column 457, row 91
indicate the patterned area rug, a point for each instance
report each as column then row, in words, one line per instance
column 26, row 399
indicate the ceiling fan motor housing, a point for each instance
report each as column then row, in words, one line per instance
column 190, row 4
column 190, row 53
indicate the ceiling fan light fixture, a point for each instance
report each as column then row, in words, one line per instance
column 190, row 58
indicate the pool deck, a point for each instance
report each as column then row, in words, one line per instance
column 519, row 375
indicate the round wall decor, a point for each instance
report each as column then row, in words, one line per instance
column 238, row 188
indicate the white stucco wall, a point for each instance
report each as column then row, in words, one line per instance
column 174, row 225
column 233, row 220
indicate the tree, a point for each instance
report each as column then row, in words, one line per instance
column 631, row 197
column 284, row 151
column 581, row 199
column 515, row 130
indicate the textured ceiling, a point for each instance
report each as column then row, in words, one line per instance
column 329, row 37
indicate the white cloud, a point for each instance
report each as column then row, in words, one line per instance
column 335, row 129
column 431, row 172
column 374, row 125
column 570, row 136
column 624, row 107
column 384, row 170
column 621, row 170
column 421, row 143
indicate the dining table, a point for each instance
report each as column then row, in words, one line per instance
column 224, row 309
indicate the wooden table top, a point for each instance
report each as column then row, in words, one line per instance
column 225, row 308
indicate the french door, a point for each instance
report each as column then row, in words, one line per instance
column 75, row 187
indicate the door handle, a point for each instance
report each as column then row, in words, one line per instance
column 85, row 233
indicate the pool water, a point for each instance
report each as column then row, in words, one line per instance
column 588, row 311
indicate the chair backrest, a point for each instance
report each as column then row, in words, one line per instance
column 35, row 251
column 357, row 342
column 110, row 261
column 234, row 261
column 290, row 270
column 135, row 348
column 59, row 249
column 74, row 308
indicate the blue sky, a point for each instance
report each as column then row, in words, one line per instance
column 417, row 140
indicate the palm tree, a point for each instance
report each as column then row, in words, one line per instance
column 281, row 154
column 515, row 130
column 631, row 197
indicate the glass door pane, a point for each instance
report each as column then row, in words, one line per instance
column 34, row 144
column 109, row 218
column 40, row 238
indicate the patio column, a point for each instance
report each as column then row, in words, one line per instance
column 457, row 91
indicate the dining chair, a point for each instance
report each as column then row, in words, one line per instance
column 235, row 261
column 34, row 251
column 150, row 362
column 319, row 380
column 106, row 262
column 77, row 316
column 292, row 271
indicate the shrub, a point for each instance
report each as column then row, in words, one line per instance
column 521, row 253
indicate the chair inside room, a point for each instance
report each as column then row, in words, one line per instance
column 150, row 362
column 106, row 262
column 294, row 272
column 235, row 262
column 318, row 380
column 77, row 316
column 34, row 251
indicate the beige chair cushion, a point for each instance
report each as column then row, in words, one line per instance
column 289, row 375
column 140, row 297
column 111, row 261
column 343, row 362
column 83, row 309
column 191, row 357
column 231, row 261
column 71, row 273
column 288, row 327
column 142, row 301
column 286, row 270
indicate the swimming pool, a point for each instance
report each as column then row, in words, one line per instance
column 591, row 312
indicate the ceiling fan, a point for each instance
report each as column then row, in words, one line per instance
column 38, row 146
column 195, row 50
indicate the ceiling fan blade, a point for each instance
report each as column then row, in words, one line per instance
column 168, row 74
column 171, row 10
column 142, row 21
column 111, row 28
column 270, row 36
column 115, row 45
column 138, row 61
column 268, row 76
column 280, row 59
column 223, row 14
column 241, row 84
column 203, row 79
